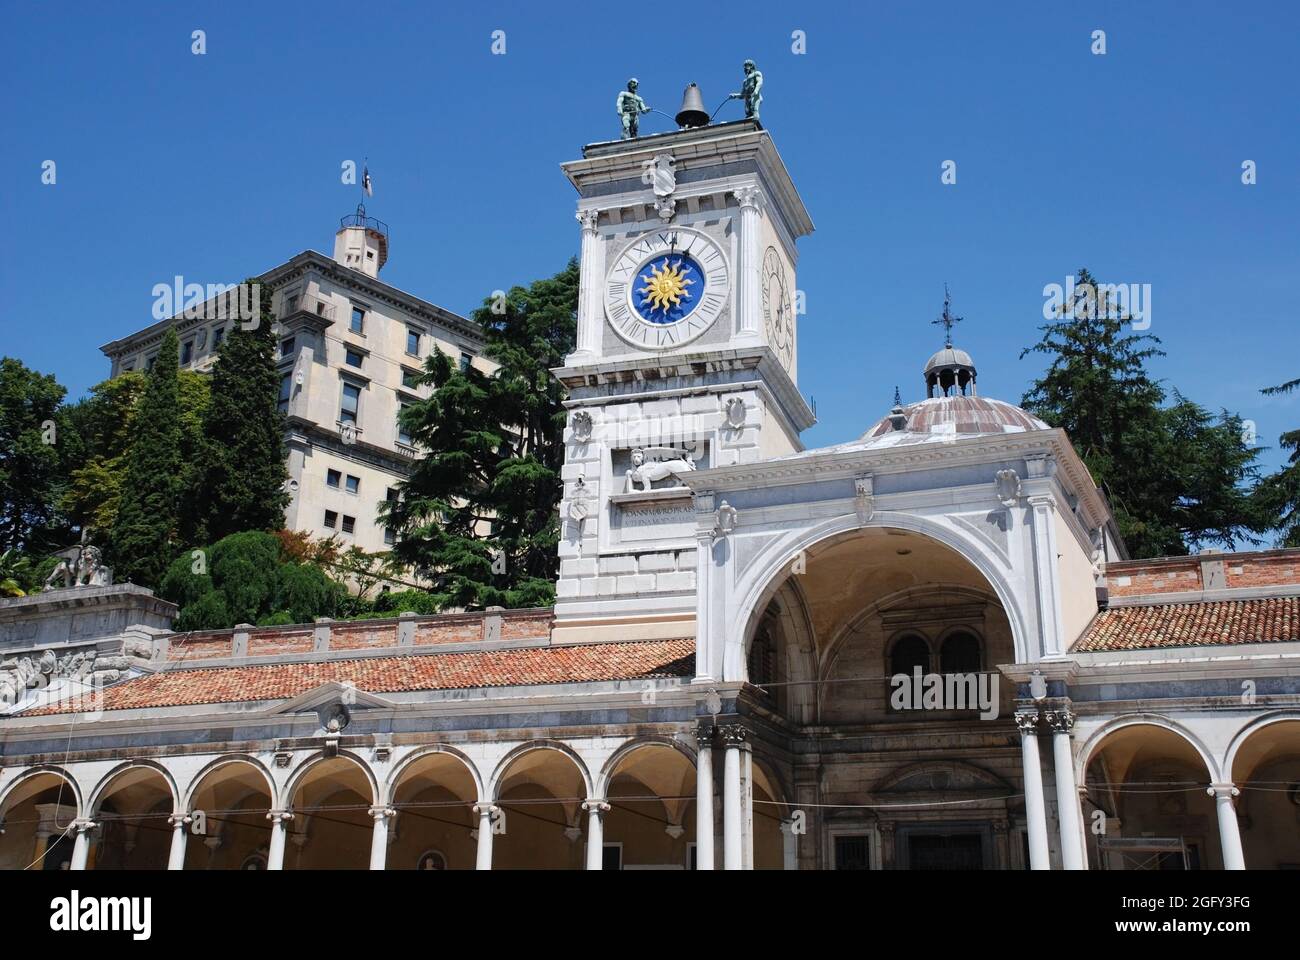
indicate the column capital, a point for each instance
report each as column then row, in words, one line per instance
column 84, row 825
column 1222, row 791
column 595, row 805
column 588, row 220
column 1027, row 721
column 381, row 813
column 485, row 809
column 750, row 197
column 1060, row 719
column 279, row 816
column 734, row 734
column 179, row 819
column 704, row 734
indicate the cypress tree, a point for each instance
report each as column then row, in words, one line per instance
column 143, row 537
column 240, row 481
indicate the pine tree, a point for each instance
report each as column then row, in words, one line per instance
column 1175, row 477
column 479, row 514
column 1279, row 493
column 144, row 535
column 240, row 482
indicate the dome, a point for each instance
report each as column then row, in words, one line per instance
column 949, row 357
column 938, row 419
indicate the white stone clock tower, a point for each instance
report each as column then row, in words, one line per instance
column 686, row 358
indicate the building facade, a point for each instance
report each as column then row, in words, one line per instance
column 351, row 348
column 924, row 648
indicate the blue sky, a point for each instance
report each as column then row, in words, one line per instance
column 223, row 165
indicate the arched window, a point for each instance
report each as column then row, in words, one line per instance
column 909, row 652
column 431, row 860
column 960, row 653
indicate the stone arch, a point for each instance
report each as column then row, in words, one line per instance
column 1099, row 736
column 43, row 769
column 1240, row 738
column 295, row 780
column 616, row 759
column 97, row 796
column 412, row 759
column 494, row 784
column 234, row 758
column 977, row 774
column 759, row 582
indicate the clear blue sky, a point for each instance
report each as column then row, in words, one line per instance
column 223, row 165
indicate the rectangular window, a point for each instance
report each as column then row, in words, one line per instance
column 403, row 435
column 349, row 523
column 354, row 484
column 218, row 335
column 358, row 319
column 851, row 853
column 286, row 391
column 612, row 857
column 331, row 519
column 291, row 302
column 391, row 495
column 410, row 380
column 286, row 346
column 388, row 536
column 351, row 403
column 187, row 352
column 413, row 341
column 333, row 478
column 465, row 361
column 353, row 359
column 148, row 362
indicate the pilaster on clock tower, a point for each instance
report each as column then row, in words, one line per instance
column 685, row 358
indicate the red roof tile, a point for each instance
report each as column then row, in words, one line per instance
column 1265, row 620
column 442, row 671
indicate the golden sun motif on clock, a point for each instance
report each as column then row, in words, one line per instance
column 778, row 318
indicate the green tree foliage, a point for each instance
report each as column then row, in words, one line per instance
column 106, row 422
column 145, row 530
column 1176, row 476
column 38, row 445
column 247, row 578
column 479, row 515
column 1279, row 493
column 241, row 475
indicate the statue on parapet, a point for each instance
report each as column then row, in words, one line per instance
column 751, row 90
column 630, row 106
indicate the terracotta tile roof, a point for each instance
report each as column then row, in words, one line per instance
column 442, row 671
column 1266, row 620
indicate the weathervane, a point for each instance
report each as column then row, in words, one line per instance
column 947, row 319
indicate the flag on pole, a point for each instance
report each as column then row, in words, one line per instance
column 365, row 181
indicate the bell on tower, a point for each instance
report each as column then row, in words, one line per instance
column 362, row 242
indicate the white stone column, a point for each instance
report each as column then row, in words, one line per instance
column 704, row 821
column 748, row 300
column 596, row 810
column 176, row 855
column 379, row 836
column 81, row 845
column 1061, row 721
column 483, row 860
column 275, row 855
column 707, row 643
column 591, row 279
column 1229, row 831
column 1035, row 809
column 733, row 737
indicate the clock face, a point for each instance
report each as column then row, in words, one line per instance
column 666, row 288
column 777, row 315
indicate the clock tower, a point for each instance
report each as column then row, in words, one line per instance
column 685, row 358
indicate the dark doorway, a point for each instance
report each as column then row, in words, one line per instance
column 940, row 851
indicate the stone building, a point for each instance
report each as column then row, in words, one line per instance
column 350, row 348
column 924, row 648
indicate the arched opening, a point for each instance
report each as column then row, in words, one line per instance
column 1266, row 769
column 131, row 814
column 331, row 827
column 434, row 797
column 902, row 634
column 229, row 829
column 651, row 821
column 769, row 813
column 36, row 819
column 540, row 793
column 1147, row 806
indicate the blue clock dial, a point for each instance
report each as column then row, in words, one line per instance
column 668, row 288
